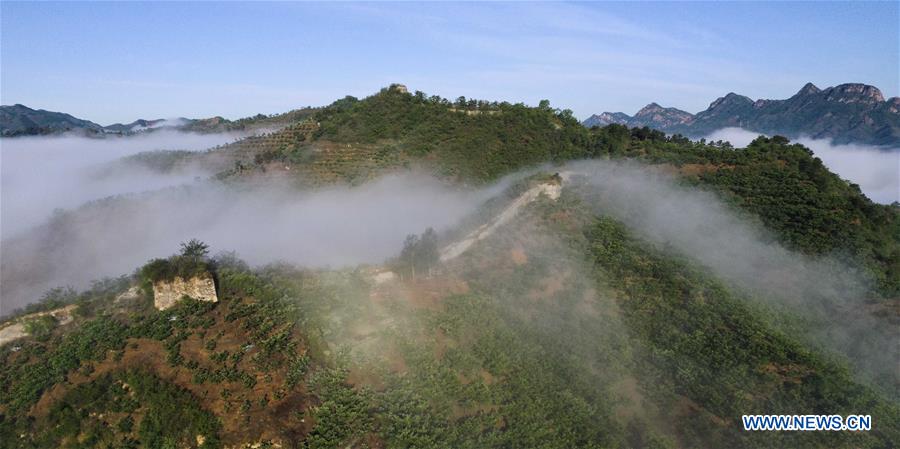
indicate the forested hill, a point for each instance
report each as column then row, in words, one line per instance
column 21, row 120
column 474, row 140
column 567, row 329
column 779, row 183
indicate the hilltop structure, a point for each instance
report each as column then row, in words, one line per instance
column 167, row 293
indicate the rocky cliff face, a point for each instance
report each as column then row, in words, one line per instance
column 167, row 293
column 854, row 93
column 846, row 113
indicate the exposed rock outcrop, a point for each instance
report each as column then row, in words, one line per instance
column 16, row 328
column 167, row 293
column 396, row 87
column 11, row 332
column 129, row 295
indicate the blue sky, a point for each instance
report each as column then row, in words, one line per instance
column 116, row 62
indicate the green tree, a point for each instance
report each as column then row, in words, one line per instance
column 194, row 249
column 408, row 253
column 427, row 253
column 420, row 253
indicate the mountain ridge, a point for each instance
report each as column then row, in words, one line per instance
column 20, row 120
column 846, row 113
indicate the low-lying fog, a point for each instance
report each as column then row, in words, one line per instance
column 40, row 174
column 830, row 295
column 345, row 226
column 875, row 170
column 335, row 227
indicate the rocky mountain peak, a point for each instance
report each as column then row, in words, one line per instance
column 656, row 116
column 854, row 93
column 732, row 99
column 808, row 89
column 893, row 105
column 649, row 109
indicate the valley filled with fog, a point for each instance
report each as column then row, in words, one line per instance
column 103, row 208
column 116, row 212
column 41, row 174
column 80, row 223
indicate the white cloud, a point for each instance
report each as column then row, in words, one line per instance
column 165, row 123
column 339, row 226
column 40, row 174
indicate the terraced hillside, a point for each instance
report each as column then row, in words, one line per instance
column 292, row 153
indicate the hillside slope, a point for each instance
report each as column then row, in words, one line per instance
column 19, row 119
column 782, row 184
column 564, row 328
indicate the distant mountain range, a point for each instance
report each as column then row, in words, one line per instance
column 848, row 113
column 20, row 120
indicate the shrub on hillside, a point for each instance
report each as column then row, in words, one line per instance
column 191, row 262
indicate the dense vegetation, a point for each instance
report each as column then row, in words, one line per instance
column 783, row 184
column 786, row 187
column 696, row 339
column 474, row 140
column 564, row 330
column 588, row 338
column 419, row 254
column 168, row 416
column 192, row 261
